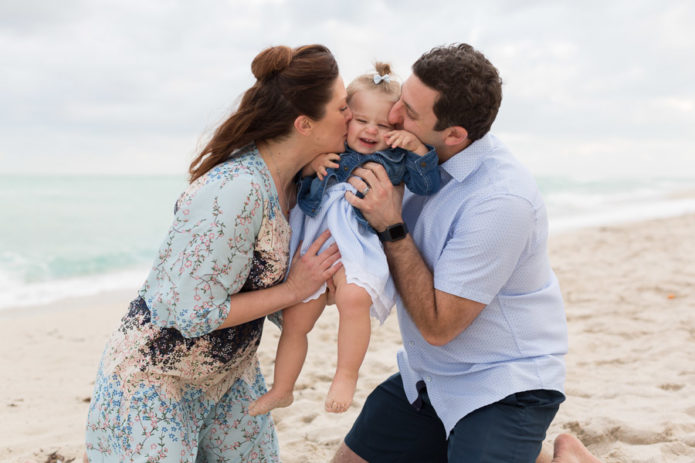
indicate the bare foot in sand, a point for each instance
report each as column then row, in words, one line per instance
column 270, row 400
column 568, row 449
column 340, row 394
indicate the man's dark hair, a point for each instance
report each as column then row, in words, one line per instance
column 469, row 86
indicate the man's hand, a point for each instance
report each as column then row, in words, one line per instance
column 320, row 163
column 382, row 202
column 406, row 140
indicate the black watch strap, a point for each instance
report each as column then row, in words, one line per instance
column 394, row 232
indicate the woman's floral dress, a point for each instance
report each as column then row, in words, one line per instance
column 169, row 387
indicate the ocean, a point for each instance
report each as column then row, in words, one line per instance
column 67, row 236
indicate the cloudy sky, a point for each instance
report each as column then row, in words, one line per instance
column 132, row 86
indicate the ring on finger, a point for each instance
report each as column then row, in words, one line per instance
column 365, row 191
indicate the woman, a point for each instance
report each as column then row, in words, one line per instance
column 178, row 374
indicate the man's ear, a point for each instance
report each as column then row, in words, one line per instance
column 303, row 124
column 455, row 135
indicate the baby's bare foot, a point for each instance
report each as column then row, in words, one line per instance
column 270, row 400
column 340, row 394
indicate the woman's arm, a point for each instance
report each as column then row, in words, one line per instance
column 307, row 274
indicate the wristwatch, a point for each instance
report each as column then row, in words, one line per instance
column 394, row 232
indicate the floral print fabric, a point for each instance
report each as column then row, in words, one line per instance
column 170, row 387
column 224, row 221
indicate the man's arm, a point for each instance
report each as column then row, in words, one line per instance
column 439, row 316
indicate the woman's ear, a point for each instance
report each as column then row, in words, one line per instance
column 303, row 124
column 455, row 135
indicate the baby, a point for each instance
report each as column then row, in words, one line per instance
column 363, row 285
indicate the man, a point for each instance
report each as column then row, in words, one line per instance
column 480, row 310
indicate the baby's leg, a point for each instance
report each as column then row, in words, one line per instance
column 297, row 321
column 353, row 304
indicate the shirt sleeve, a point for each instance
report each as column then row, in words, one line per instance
column 206, row 256
column 484, row 248
column 422, row 172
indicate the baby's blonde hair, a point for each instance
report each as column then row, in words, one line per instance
column 391, row 88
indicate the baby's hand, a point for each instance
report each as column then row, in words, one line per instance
column 322, row 162
column 406, row 140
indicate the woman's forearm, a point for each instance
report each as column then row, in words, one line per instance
column 248, row 306
column 307, row 273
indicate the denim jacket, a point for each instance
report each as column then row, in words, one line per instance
column 420, row 174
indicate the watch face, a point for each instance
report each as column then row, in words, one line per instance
column 397, row 232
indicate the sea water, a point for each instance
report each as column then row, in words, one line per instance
column 66, row 236
column 78, row 235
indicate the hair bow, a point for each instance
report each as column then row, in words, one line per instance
column 386, row 78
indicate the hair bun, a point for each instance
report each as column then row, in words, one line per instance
column 382, row 68
column 271, row 61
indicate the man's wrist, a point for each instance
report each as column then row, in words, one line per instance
column 394, row 232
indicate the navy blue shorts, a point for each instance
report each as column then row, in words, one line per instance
column 389, row 429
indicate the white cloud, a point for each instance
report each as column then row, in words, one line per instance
column 677, row 104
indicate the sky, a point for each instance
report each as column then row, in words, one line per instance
column 131, row 87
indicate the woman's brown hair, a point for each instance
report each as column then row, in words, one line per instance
column 290, row 82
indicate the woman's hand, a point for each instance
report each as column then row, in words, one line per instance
column 382, row 203
column 310, row 270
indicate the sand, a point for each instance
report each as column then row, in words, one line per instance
column 630, row 300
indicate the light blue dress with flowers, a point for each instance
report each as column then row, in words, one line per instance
column 170, row 387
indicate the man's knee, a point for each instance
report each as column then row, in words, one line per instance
column 389, row 428
column 346, row 455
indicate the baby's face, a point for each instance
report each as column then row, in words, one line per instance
column 369, row 123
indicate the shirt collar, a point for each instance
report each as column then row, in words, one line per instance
column 466, row 161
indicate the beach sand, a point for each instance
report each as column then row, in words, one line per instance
column 629, row 292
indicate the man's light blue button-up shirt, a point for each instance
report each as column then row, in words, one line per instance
column 484, row 237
